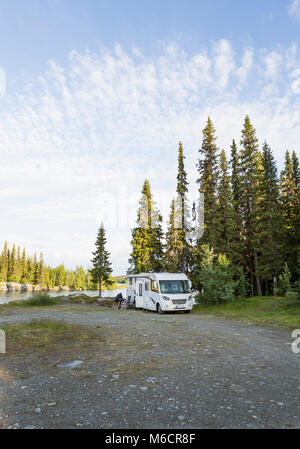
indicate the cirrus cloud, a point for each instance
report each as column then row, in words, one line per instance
column 76, row 144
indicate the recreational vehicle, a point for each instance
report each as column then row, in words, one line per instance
column 160, row 292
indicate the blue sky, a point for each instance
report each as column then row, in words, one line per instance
column 95, row 95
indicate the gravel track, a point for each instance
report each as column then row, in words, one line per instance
column 154, row 371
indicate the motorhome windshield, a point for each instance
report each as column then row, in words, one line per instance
column 174, row 287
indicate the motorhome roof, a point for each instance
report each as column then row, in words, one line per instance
column 158, row 276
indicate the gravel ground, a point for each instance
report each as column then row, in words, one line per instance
column 153, row 371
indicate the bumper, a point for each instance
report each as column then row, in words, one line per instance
column 170, row 307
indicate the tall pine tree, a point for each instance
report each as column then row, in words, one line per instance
column 174, row 243
column 147, row 247
column 289, row 198
column 182, row 212
column 101, row 270
column 250, row 171
column 269, row 226
column 208, row 181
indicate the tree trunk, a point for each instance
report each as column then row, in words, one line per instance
column 258, row 286
column 100, row 282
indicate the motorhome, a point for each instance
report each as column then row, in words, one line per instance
column 160, row 292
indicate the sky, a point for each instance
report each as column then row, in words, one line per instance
column 95, row 96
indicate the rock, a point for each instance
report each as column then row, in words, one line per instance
column 37, row 288
column 27, row 288
column 13, row 287
column 3, row 287
column 38, row 410
column 29, row 427
column 72, row 365
column 64, row 289
column 51, row 404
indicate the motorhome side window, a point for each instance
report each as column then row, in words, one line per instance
column 154, row 286
column 140, row 289
column 147, row 286
column 130, row 281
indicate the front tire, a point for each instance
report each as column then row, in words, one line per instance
column 159, row 310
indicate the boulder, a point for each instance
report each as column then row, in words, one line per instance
column 37, row 288
column 64, row 289
column 3, row 287
column 54, row 289
column 13, row 287
column 27, row 288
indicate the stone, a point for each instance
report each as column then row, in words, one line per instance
column 72, row 365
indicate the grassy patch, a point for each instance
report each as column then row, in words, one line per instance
column 40, row 299
column 48, row 336
column 282, row 312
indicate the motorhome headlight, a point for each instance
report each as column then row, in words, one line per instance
column 166, row 298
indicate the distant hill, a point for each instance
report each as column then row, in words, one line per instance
column 119, row 279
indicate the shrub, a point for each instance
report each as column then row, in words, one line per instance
column 284, row 283
column 218, row 280
column 41, row 299
column 292, row 295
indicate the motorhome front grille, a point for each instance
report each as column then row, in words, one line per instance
column 179, row 301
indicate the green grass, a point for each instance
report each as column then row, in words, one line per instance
column 44, row 299
column 40, row 299
column 49, row 336
column 266, row 310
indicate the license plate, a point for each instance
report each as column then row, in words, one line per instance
column 179, row 307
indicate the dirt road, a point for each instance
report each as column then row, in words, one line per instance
column 152, row 371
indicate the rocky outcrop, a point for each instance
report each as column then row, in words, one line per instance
column 16, row 287
column 13, row 287
column 27, row 288
column 3, row 287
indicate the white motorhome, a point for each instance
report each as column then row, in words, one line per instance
column 160, row 292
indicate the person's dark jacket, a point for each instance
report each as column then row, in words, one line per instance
column 119, row 297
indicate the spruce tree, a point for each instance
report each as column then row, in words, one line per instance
column 4, row 263
column 23, row 267
column 289, row 198
column 269, row 225
column 250, row 172
column 208, row 181
column 182, row 212
column 147, row 247
column 101, row 270
column 237, row 252
column 174, row 243
column 12, row 269
column 227, row 237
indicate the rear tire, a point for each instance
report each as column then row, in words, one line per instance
column 159, row 311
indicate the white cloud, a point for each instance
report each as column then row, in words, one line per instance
column 273, row 62
column 294, row 9
column 247, row 62
column 76, row 145
column 224, row 62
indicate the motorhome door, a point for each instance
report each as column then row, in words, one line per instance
column 139, row 294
